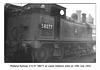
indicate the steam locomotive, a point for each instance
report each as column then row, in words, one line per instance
column 41, row 31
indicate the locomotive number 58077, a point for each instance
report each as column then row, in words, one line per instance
column 46, row 26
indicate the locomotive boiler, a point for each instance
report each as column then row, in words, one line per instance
column 41, row 31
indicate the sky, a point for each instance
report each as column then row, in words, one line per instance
column 71, row 8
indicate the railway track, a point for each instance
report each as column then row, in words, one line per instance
column 90, row 58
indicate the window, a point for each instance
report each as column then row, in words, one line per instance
column 61, row 12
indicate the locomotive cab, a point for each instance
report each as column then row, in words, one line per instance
column 58, row 11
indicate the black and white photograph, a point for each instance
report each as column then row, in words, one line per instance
column 49, row 32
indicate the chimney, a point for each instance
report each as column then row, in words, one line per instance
column 79, row 15
column 83, row 18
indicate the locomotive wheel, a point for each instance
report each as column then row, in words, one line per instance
column 77, row 50
column 41, row 55
column 62, row 54
column 89, row 49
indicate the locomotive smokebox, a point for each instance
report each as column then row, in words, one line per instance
column 83, row 17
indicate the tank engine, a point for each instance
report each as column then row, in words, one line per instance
column 41, row 32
